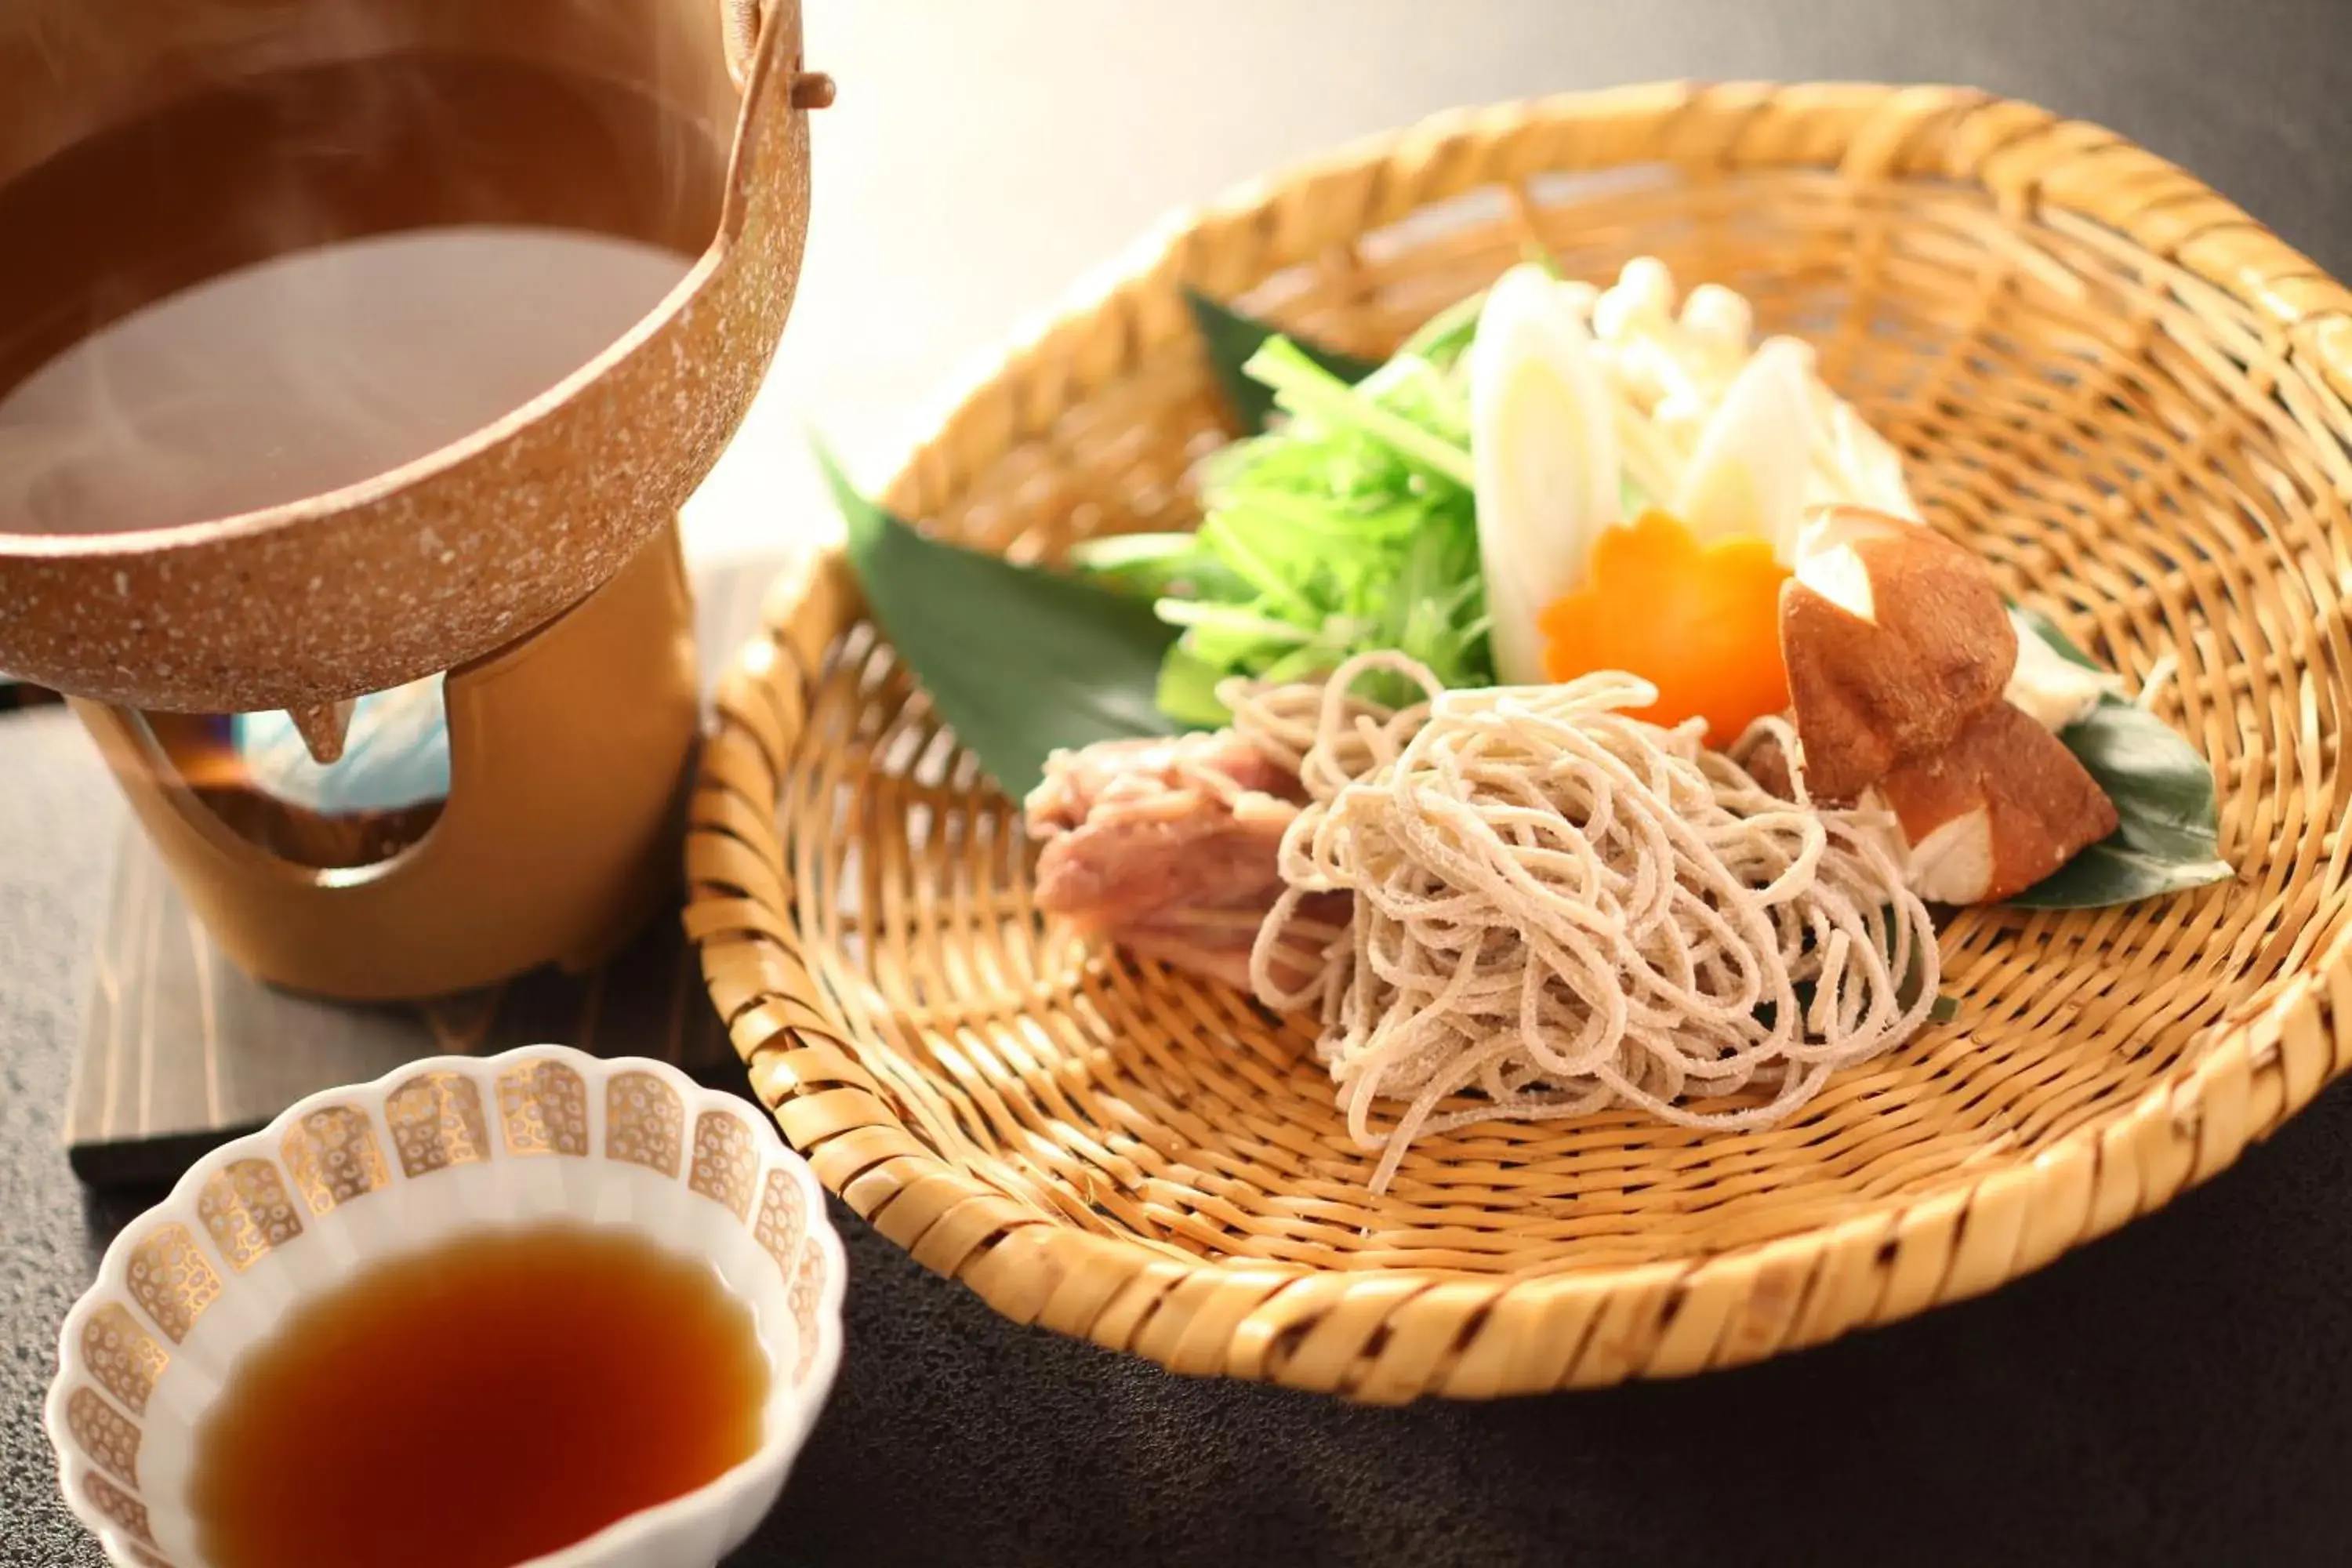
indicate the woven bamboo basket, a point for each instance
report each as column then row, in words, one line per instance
column 2122, row 390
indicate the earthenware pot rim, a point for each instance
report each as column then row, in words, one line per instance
column 756, row 84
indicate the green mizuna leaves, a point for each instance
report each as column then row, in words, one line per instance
column 1230, row 338
column 1347, row 528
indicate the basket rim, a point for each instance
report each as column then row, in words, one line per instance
column 1393, row 1333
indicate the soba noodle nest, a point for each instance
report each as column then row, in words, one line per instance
column 1564, row 909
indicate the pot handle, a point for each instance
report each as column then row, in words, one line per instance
column 760, row 42
column 740, row 23
column 739, row 26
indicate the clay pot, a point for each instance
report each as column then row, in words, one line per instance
column 448, row 557
column 535, row 558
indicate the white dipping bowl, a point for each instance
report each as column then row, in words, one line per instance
column 444, row 1146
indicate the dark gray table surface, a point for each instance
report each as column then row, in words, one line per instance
column 2179, row 1392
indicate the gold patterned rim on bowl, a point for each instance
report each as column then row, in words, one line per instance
column 441, row 1146
column 2121, row 389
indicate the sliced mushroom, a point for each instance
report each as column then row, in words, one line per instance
column 1893, row 637
column 1767, row 762
column 2000, row 807
column 1748, row 473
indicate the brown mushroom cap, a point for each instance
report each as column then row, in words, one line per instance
column 2000, row 807
column 1893, row 637
column 1768, row 763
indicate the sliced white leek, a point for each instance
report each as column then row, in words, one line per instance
column 1543, row 446
column 1748, row 474
column 1854, row 463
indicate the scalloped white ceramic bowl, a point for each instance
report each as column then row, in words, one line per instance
column 349, row 1176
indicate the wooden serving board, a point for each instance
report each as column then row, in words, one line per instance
column 181, row 1050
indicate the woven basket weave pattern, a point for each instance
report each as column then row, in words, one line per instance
column 2123, row 392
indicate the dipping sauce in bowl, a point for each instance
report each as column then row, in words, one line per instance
column 483, row 1401
column 539, row 1308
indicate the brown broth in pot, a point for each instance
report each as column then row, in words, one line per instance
column 302, row 279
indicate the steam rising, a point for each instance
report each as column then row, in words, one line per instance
column 311, row 371
column 303, row 243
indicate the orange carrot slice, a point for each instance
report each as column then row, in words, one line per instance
column 1702, row 623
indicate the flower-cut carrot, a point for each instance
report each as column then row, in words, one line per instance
column 1702, row 623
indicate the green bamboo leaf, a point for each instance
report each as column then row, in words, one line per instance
column 1020, row 661
column 2168, row 834
column 1231, row 338
column 2060, row 643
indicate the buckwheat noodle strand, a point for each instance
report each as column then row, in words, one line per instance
column 1564, row 909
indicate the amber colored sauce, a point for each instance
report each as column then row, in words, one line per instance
column 478, row 1404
